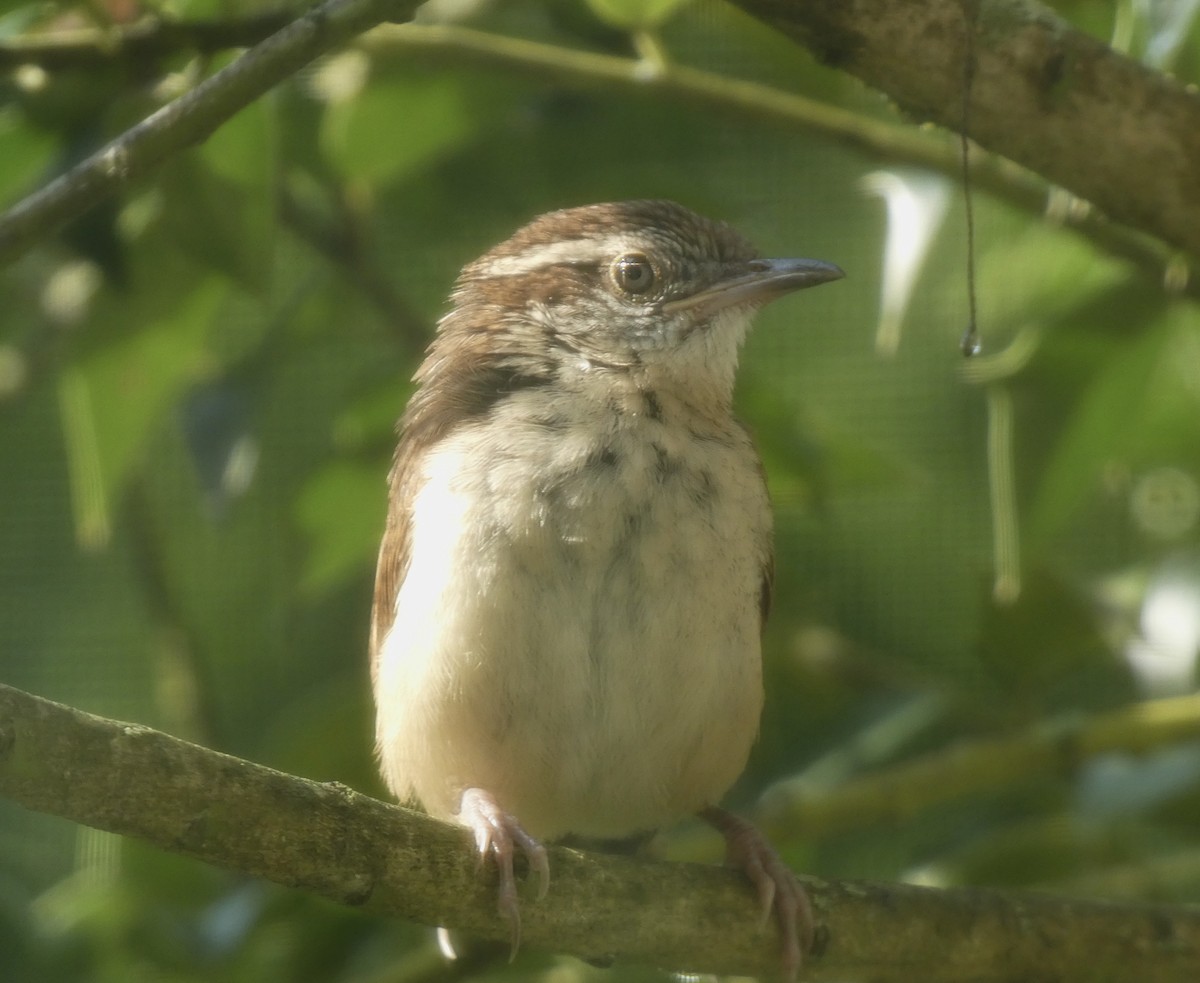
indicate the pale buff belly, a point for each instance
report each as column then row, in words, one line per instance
column 574, row 645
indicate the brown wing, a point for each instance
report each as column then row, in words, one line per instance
column 767, row 590
column 466, row 372
column 394, row 550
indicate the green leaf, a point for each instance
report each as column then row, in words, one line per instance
column 1058, row 273
column 219, row 200
column 113, row 400
column 1141, row 406
column 223, row 224
column 26, row 157
column 17, row 16
column 396, row 126
column 243, row 149
column 340, row 511
column 635, row 14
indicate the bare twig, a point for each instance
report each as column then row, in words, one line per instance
column 190, row 118
column 342, row 241
column 795, row 808
column 148, row 39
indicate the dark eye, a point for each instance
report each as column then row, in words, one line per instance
column 632, row 273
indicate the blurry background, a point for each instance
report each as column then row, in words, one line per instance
column 199, row 381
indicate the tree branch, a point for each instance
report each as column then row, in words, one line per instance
column 795, row 809
column 1106, row 128
column 334, row 842
column 149, row 39
column 341, row 239
column 451, row 46
column 190, row 118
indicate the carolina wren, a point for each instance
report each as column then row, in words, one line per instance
column 577, row 561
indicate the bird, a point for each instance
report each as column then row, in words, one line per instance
column 577, row 559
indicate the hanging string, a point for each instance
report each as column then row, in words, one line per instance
column 970, row 344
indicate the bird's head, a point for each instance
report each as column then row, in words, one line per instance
column 644, row 289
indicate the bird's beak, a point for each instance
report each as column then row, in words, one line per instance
column 758, row 282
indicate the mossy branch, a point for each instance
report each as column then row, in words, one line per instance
column 355, row 850
column 1110, row 130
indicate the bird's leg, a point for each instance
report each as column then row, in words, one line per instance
column 748, row 850
column 495, row 834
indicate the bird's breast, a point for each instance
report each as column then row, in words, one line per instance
column 578, row 629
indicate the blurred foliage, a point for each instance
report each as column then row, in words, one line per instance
column 198, row 387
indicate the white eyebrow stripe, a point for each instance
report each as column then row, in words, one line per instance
column 568, row 251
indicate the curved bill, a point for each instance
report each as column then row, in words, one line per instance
column 761, row 281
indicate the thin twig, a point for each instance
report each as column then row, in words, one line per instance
column 149, row 39
column 189, row 119
column 340, row 240
column 795, row 808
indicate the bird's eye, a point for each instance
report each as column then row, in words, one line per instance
column 632, row 273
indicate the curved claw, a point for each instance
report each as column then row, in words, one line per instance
column 777, row 888
column 495, row 833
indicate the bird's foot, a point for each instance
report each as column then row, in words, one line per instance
column 496, row 833
column 778, row 890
